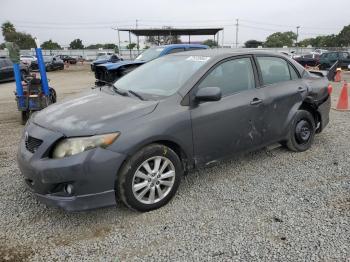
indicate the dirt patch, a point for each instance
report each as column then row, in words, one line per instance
column 15, row 254
column 99, row 232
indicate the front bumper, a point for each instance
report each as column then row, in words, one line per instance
column 92, row 174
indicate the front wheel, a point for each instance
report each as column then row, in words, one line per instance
column 302, row 132
column 24, row 117
column 150, row 178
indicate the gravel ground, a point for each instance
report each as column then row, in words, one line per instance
column 270, row 205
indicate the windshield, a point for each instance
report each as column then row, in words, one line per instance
column 163, row 76
column 103, row 57
column 47, row 58
column 150, row 54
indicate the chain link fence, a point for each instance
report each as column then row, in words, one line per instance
column 91, row 54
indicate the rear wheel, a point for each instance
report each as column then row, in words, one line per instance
column 302, row 132
column 150, row 178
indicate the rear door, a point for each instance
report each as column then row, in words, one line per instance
column 231, row 125
column 284, row 92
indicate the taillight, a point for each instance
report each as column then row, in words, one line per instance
column 330, row 89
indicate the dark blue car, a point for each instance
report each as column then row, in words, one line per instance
column 110, row 72
column 113, row 58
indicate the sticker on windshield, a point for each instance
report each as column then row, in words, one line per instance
column 198, row 58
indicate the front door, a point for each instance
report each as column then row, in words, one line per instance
column 232, row 124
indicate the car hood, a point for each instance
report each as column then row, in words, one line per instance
column 113, row 66
column 91, row 113
column 100, row 61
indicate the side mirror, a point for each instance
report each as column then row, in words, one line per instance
column 207, row 94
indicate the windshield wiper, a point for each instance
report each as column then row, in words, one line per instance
column 136, row 94
column 119, row 91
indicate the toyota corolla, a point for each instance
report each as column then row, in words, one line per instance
column 134, row 140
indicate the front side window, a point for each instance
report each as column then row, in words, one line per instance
column 273, row 70
column 231, row 77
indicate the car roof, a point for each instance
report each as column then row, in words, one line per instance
column 183, row 45
column 222, row 52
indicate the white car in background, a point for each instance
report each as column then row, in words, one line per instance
column 28, row 59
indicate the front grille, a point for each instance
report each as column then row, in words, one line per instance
column 32, row 143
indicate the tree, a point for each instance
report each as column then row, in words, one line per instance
column 7, row 28
column 210, row 43
column 23, row 40
column 131, row 46
column 344, row 36
column 253, row 44
column 2, row 46
column 49, row 45
column 109, row 46
column 280, row 39
column 76, row 44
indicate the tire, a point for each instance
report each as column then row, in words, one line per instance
column 302, row 132
column 150, row 183
column 24, row 117
column 53, row 95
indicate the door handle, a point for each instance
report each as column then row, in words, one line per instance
column 256, row 101
column 301, row 89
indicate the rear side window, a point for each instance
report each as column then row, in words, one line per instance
column 273, row 70
column 231, row 77
column 333, row 56
column 176, row 50
column 344, row 55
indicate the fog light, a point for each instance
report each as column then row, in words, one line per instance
column 69, row 189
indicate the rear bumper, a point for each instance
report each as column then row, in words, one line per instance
column 323, row 110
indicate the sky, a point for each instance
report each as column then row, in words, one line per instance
column 92, row 21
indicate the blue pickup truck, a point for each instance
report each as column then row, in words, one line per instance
column 110, row 72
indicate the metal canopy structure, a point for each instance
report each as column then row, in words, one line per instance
column 169, row 32
column 173, row 31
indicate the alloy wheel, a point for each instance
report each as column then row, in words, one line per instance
column 153, row 180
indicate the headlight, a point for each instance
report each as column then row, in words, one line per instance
column 73, row 146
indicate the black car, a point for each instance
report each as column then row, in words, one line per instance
column 6, row 70
column 308, row 60
column 105, row 59
column 329, row 58
column 51, row 63
column 134, row 140
column 68, row 59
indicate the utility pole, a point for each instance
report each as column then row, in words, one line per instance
column 138, row 39
column 116, row 29
column 222, row 37
column 237, row 33
column 296, row 41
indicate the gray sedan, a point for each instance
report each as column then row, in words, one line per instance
column 134, row 140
